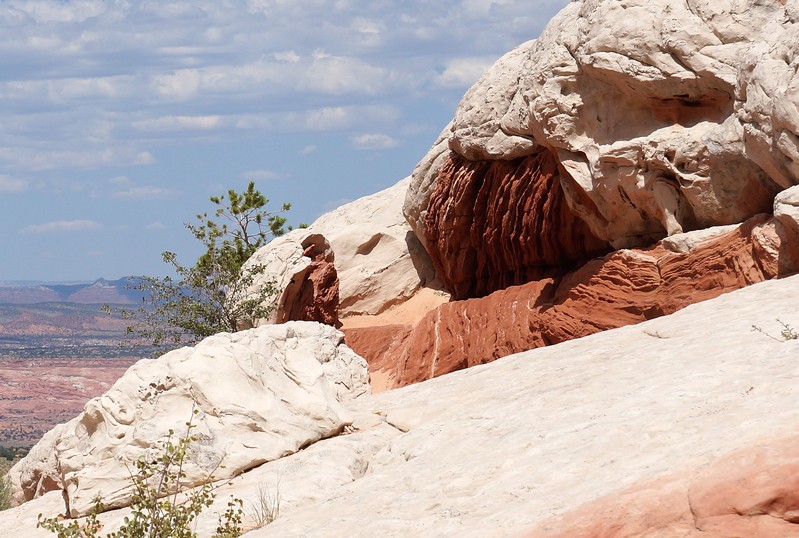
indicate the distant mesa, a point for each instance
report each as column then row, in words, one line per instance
column 100, row 291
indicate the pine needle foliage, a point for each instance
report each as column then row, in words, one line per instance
column 219, row 292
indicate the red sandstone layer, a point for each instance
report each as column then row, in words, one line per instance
column 753, row 492
column 622, row 288
column 494, row 224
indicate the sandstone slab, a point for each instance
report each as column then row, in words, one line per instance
column 259, row 395
column 361, row 258
column 624, row 430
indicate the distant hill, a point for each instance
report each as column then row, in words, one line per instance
column 100, row 291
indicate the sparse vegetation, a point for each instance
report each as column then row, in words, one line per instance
column 786, row 333
column 6, row 493
column 266, row 508
column 160, row 508
column 218, row 293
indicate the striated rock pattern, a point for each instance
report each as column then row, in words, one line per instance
column 681, row 423
column 260, row 395
column 299, row 265
column 623, row 288
column 666, row 117
column 750, row 492
column 493, row 224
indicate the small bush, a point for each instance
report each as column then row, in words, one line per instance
column 159, row 508
column 6, row 493
column 786, row 333
column 266, row 507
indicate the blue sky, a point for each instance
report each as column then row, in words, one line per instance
column 120, row 118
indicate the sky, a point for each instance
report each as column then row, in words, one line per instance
column 119, row 118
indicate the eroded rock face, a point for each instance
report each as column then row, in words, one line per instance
column 299, row 266
column 313, row 294
column 665, row 117
column 260, row 395
column 623, row 288
column 361, row 258
column 493, row 224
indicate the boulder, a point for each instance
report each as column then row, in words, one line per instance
column 299, row 265
column 361, row 258
column 662, row 117
column 256, row 395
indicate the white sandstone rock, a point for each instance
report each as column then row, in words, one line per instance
column 495, row 449
column 259, row 394
column 284, row 264
column 379, row 260
column 786, row 208
column 669, row 117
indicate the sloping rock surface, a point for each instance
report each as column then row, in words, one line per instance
column 259, row 395
column 689, row 411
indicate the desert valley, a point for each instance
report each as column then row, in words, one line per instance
column 58, row 349
column 575, row 318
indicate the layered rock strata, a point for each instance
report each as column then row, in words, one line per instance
column 582, row 438
column 622, row 288
column 493, row 224
column 664, row 118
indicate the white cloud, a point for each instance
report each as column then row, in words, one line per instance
column 260, row 175
column 144, row 192
column 374, row 141
column 90, row 88
column 463, row 72
column 338, row 75
column 327, row 119
column 60, row 226
column 53, row 11
column 155, row 225
column 38, row 159
column 483, row 7
column 180, row 123
column 10, row 184
column 288, row 56
column 307, row 150
column 180, row 85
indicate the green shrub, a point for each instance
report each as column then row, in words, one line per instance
column 159, row 507
column 6, row 493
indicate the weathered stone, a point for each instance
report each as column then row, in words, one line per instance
column 604, row 434
column 666, row 117
column 361, row 258
column 259, row 395
column 285, row 264
column 622, row 288
column 493, row 224
column 313, row 294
